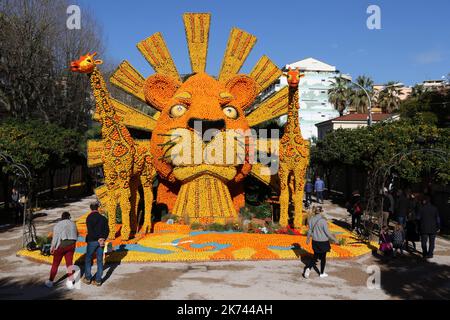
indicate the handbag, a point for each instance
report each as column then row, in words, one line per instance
column 385, row 246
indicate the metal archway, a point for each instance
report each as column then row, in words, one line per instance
column 377, row 181
column 23, row 176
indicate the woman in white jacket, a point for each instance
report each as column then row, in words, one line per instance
column 321, row 236
column 65, row 236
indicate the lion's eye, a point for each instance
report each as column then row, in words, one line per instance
column 177, row 110
column 230, row 112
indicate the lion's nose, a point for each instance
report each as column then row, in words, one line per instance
column 207, row 128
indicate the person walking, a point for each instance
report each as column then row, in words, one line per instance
column 355, row 209
column 388, row 208
column 412, row 225
column 97, row 233
column 15, row 197
column 309, row 190
column 64, row 238
column 429, row 227
column 402, row 207
column 321, row 236
column 319, row 187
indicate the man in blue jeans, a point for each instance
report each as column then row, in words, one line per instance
column 319, row 186
column 97, row 233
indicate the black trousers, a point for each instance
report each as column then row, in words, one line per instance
column 18, row 213
column 309, row 197
column 424, row 239
column 356, row 221
column 323, row 260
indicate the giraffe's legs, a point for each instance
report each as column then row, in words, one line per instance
column 111, row 207
column 134, row 203
column 298, row 198
column 147, row 184
column 125, row 206
column 284, row 196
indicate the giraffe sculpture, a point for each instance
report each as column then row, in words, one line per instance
column 125, row 163
column 294, row 156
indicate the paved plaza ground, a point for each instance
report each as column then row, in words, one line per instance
column 403, row 277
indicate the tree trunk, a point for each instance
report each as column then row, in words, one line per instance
column 71, row 169
column 89, row 188
column 52, row 187
column 348, row 181
column 328, row 178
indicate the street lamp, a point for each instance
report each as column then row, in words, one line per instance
column 398, row 84
column 349, row 79
column 369, row 109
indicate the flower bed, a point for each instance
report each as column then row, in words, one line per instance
column 178, row 243
column 163, row 227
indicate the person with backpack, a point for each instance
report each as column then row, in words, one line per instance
column 321, row 236
column 355, row 209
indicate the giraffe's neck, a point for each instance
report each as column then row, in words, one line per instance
column 292, row 125
column 103, row 104
column 112, row 128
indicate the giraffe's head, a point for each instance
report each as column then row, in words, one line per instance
column 293, row 77
column 86, row 63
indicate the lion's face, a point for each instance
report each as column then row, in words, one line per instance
column 201, row 127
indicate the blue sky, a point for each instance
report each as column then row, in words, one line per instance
column 413, row 44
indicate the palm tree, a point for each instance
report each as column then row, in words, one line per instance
column 389, row 97
column 417, row 91
column 358, row 97
column 338, row 94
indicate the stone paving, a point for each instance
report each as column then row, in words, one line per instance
column 404, row 277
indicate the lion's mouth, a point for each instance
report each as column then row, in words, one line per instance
column 207, row 129
column 190, row 155
column 188, row 173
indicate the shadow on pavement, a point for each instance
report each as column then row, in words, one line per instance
column 8, row 227
column 304, row 256
column 13, row 289
column 342, row 224
column 412, row 277
column 119, row 254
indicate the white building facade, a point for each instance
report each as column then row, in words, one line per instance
column 313, row 94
